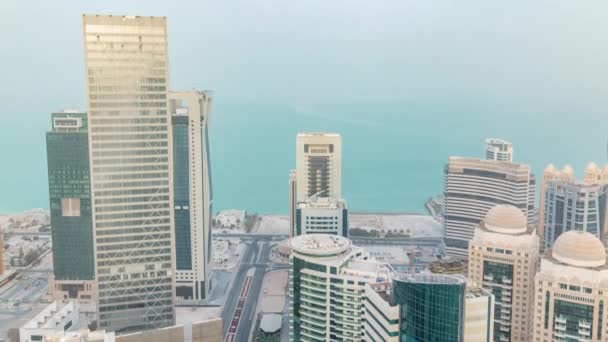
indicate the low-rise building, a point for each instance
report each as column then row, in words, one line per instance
column 54, row 319
column 322, row 215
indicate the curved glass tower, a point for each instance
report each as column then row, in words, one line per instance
column 431, row 307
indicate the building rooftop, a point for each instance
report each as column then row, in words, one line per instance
column 501, row 166
column 271, row 323
column 431, row 278
column 319, row 244
column 52, row 315
column 506, row 219
column 578, row 248
column 317, row 134
column 323, row 203
column 474, row 291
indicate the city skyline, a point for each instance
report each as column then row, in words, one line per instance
column 151, row 231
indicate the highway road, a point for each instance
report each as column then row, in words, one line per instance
column 248, row 279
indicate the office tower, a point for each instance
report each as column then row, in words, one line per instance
column 380, row 313
column 569, row 204
column 326, row 286
column 572, row 290
column 318, row 165
column 499, row 150
column 293, row 202
column 472, row 187
column 478, row 314
column 431, row 307
column 190, row 114
column 322, row 216
column 131, row 170
column 67, row 145
column 503, row 255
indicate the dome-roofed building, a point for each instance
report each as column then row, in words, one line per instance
column 572, row 290
column 503, row 256
column 506, row 219
column 578, row 248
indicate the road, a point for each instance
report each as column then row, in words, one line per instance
column 248, row 280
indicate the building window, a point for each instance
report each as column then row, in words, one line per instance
column 70, row 207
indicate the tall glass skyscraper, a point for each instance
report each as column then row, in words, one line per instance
column 431, row 307
column 70, row 204
column 131, row 170
column 190, row 117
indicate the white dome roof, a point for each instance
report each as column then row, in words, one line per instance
column 568, row 170
column 578, row 248
column 506, row 219
column 592, row 167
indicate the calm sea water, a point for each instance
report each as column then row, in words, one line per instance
column 406, row 83
column 393, row 155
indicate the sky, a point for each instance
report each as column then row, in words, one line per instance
column 509, row 64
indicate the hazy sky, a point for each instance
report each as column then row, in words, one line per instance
column 508, row 58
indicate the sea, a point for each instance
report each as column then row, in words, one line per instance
column 406, row 83
column 393, row 154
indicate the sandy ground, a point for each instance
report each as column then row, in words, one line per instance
column 273, row 224
column 413, row 225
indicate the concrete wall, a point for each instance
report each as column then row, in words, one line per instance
column 207, row 331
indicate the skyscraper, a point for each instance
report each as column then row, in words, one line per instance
column 499, row 150
column 572, row 290
column 326, row 284
column 569, row 204
column 431, row 307
column 131, row 170
column 317, row 181
column 318, row 165
column 503, row 256
column 67, row 145
column 472, row 187
column 191, row 113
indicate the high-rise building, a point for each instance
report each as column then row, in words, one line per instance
column 571, row 300
column 131, row 170
column 322, row 216
column 498, row 149
column 503, row 257
column 472, row 187
column 293, row 201
column 67, row 146
column 318, row 165
column 478, row 314
column 190, row 115
column 380, row 313
column 326, row 287
column 431, row 307
column 569, row 204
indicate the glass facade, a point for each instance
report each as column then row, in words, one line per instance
column 572, row 322
column 498, row 278
column 126, row 71
column 431, row 307
column 181, row 193
column 70, row 197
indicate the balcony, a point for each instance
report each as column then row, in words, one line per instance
column 584, row 325
column 561, row 320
